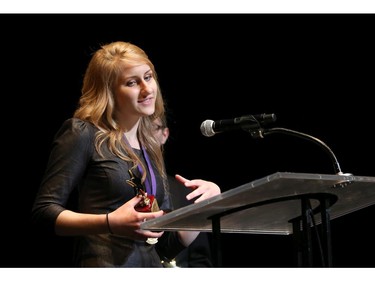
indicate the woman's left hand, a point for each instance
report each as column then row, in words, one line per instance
column 202, row 188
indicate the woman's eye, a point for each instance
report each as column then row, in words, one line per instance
column 130, row 83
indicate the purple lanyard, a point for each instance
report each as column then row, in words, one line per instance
column 150, row 188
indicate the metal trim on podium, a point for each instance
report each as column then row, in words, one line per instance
column 282, row 203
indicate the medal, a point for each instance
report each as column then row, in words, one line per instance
column 152, row 241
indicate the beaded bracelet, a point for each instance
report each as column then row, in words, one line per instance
column 108, row 226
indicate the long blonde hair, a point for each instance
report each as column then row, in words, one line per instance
column 97, row 103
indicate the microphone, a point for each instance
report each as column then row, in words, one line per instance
column 210, row 127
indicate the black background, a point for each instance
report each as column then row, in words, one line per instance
column 314, row 71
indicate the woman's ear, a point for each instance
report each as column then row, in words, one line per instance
column 165, row 134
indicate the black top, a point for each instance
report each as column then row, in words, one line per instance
column 101, row 184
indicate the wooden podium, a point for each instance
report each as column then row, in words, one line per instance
column 281, row 204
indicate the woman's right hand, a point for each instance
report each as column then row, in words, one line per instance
column 126, row 221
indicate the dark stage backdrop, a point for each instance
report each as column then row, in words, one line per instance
column 315, row 72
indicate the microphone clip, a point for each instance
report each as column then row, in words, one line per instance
column 255, row 133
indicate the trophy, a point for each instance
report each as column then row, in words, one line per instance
column 148, row 202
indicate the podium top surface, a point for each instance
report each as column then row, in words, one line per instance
column 268, row 205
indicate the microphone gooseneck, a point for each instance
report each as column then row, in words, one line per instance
column 336, row 164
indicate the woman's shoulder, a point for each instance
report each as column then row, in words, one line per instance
column 77, row 127
column 78, row 124
column 75, row 139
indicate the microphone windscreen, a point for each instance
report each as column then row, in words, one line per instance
column 207, row 128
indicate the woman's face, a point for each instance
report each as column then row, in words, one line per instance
column 136, row 91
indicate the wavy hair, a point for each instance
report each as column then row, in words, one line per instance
column 97, row 103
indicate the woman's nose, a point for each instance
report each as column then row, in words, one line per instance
column 145, row 87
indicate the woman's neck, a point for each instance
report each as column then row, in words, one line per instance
column 132, row 139
column 131, row 135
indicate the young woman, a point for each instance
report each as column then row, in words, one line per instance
column 107, row 151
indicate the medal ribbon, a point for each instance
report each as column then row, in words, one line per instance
column 150, row 187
